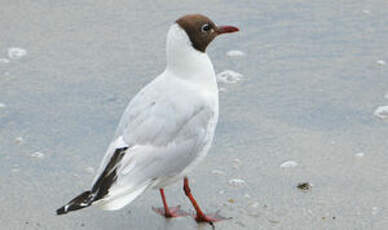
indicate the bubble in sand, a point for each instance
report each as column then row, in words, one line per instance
column 289, row 164
column 16, row 53
column 222, row 89
column 360, row 154
column 228, row 77
column 381, row 112
column 19, row 140
column 366, row 11
column 4, row 60
column 235, row 53
column 254, row 204
column 381, row 62
column 37, row 155
column 218, row 172
column 236, row 163
column 89, row 170
column 375, row 210
column 237, row 182
column 253, row 209
column 2, row 105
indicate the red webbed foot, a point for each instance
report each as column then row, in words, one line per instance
column 209, row 218
column 172, row 212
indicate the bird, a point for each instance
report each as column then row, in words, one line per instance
column 166, row 129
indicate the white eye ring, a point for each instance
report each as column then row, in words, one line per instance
column 205, row 28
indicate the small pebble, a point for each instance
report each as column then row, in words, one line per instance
column 289, row 164
column 236, row 182
column 221, row 192
column 381, row 62
column 305, row 186
column 37, row 155
column 2, row 105
column 381, row 112
column 16, row 53
column 235, row 53
column 228, row 77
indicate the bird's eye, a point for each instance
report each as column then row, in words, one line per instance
column 205, row 28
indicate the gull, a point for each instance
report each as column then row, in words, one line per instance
column 167, row 128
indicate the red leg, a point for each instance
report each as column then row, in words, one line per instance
column 200, row 216
column 166, row 211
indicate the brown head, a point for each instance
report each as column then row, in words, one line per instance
column 201, row 30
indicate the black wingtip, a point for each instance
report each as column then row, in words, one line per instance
column 61, row 211
column 83, row 200
column 100, row 188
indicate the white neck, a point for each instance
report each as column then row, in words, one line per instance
column 186, row 62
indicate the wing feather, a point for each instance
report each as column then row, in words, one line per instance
column 162, row 136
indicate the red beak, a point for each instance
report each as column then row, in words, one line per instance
column 226, row 29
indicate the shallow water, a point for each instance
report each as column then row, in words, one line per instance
column 313, row 72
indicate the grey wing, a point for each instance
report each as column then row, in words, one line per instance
column 167, row 140
column 161, row 138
